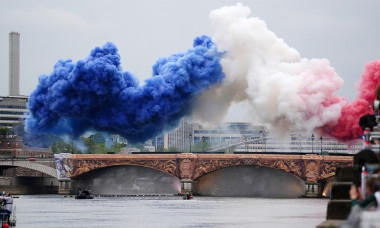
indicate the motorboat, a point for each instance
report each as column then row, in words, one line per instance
column 84, row 194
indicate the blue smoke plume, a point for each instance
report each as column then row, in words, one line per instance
column 95, row 94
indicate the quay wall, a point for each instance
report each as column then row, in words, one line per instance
column 29, row 185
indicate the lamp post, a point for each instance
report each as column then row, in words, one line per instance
column 265, row 141
column 246, row 143
column 321, row 143
column 312, row 143
column 203, row 144
column 190, row 136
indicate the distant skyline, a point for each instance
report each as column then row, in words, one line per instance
column 344, row 32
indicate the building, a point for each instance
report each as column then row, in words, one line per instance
column 246, row 137
column 178, row 140
column 14, row 64
column 13, row 109
column 12, row 145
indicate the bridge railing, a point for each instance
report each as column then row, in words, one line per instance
column 236, row 142
column 25, row 158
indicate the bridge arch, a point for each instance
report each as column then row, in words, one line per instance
column 128, row 180
column 295, row 173
column 168, row 167
column 31, row 165
column 249, row 181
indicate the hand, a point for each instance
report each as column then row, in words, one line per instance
column 354, row 192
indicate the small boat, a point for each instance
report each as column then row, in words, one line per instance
column 188, row 196
column 84, row 194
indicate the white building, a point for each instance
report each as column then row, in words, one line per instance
column 13, row 110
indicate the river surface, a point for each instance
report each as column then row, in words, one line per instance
column 55, row 211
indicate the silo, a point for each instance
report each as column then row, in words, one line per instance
column 14, row 64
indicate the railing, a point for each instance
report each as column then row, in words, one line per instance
column 25, row 158
column 236, row 142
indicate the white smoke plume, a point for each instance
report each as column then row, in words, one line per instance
column 262, row 71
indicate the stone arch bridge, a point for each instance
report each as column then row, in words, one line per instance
column 187, row 167
column 41, row 167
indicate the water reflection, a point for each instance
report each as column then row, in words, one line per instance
column 130, row 180
column 250, row 181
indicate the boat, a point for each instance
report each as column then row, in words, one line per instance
column 188, row 196
column 84, row 194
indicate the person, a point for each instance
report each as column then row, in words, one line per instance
column 361, row 203
column 372, row 191
column 8, row 201
column 365, row 156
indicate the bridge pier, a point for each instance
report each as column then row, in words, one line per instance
column 64, row 187
column 187, row 186
column 312, row 189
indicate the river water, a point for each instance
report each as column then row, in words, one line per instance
column 55, row 211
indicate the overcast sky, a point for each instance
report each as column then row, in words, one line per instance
column 345, row 32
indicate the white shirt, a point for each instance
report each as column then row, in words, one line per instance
column 8, row 203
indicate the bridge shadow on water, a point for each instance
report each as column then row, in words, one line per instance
column 250, row 181
column 129, row 180
column 239, row 181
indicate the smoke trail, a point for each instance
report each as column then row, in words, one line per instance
column 348, row 127
column 285, row 90
column 96, row 94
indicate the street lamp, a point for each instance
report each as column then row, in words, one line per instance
column 312, row 145
column 321, row 143
column 246, row 143
column 203, row 144
column 190, row 136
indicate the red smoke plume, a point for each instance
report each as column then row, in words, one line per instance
column 348, row 126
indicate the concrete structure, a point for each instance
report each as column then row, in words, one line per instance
column 25, row 176
column 13, row 109
column 177, row 140
column 237, row 137
column 14, row 64
column 188, row 167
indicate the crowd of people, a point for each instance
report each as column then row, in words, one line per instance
column 365, row 195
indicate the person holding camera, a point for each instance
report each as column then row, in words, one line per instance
column 7, row 200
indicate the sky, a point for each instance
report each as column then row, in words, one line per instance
column 344, row 32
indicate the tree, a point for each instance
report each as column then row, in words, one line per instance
column 60, row 146
column 201, row 146
column 5, row 130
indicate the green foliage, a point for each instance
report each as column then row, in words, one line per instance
column 5, row 130
column 202, row 146
column 61, row 146
column 160, row 149
column 171, row 149
column 100, row 148
column 93, row 147
column 116, row 147
column 141, row 147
